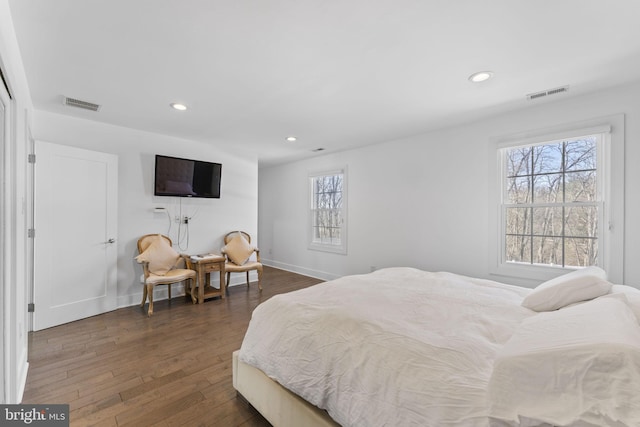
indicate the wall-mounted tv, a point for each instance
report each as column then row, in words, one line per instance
column 187, row 178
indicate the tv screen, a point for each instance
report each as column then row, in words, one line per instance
column 187, row 178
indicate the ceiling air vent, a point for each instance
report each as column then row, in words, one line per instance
column 547, row 92
column 72, row 102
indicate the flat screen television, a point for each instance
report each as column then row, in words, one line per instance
column 187, row 178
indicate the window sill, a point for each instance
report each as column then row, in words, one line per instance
column 534, row 274
column 328, row 248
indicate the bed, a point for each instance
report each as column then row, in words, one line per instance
column 401, row 346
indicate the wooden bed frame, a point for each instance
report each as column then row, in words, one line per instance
column 278, row 405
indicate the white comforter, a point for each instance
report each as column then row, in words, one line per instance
column 397, row 347
column 404, row 347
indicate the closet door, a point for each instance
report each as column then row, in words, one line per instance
column 5, row 256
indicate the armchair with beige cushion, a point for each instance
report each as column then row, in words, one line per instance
column 238, row 251
column 160, row 264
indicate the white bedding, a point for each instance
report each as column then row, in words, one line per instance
column 576, row 366
column 404, row 347
column 397, row 347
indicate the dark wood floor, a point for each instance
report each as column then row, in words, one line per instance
column 125, row 369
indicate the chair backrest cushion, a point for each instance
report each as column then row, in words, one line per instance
column 233, row 234
column 238, row 249
column 160, row 256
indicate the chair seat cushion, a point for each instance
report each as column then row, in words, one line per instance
column 233, row 268
column 172, row 276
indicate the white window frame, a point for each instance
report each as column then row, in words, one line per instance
column 323, row 246
column 611, row 188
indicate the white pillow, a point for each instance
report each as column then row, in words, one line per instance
column 580, row 285
column 160, row 256
column 238, row 249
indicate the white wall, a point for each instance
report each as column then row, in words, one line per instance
column 212, row 218
column 14, row 266
column 422, row 201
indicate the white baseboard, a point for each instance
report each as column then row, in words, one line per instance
column 22, row 382
column 322, row 275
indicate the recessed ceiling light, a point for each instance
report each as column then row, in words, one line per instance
column 178, row 106
column 480, row 76
column 291, row 139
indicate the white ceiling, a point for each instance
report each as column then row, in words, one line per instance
column 335, row 73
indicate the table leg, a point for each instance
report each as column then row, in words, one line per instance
column 201, row 284
column 200, row 273
column 223, row 285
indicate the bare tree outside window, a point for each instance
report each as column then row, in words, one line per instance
column 327, row 209
column 551, row 203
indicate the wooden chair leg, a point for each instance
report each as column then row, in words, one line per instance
column 228, row 278
column 247, row 279
column 192, row 290
column 169, row 285
column 144, row 295
column 260, row 278
column 150, row 293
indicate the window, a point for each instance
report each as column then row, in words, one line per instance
column 552, row 203
column 328, row 212
column 557, row 201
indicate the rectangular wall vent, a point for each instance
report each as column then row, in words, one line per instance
column 72, row 102
column 547, row 92
column 536, row 95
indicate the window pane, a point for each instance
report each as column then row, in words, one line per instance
column 580, row 154
column 316, row 224
column 547, row 188
column 518, row 249
column 519, row 161
column 582, row 221
column 547, row 250
column 519, row 190
column 547, row 158
column 547, row 221
column 335, row 218
column 334, row 232
column 328, row 192
column 580, row 186
column 581, row 252
column 518, row 221
column 328, row 235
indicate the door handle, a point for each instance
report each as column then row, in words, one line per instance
column 112, row 240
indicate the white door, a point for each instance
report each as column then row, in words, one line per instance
column 75, row 230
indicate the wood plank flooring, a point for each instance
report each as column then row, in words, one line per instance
column 173, row 369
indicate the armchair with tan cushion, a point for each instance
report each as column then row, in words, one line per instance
column 160, row 265
column 238, row 252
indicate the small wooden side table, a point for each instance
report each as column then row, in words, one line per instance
column 204, row 265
